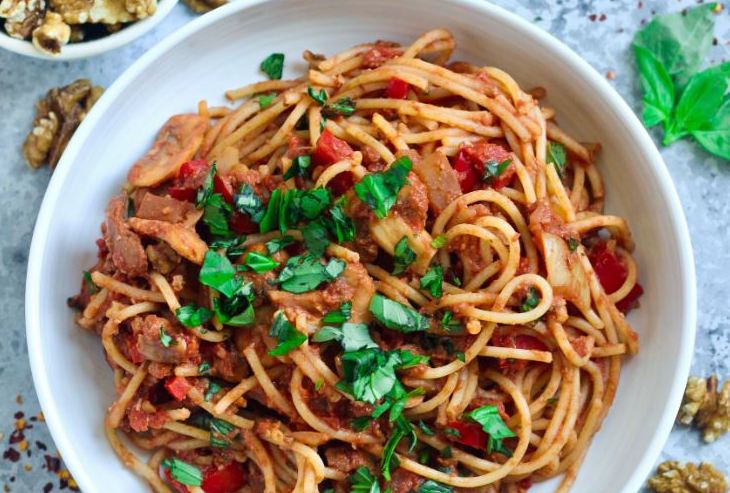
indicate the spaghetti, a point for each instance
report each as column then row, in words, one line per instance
column 394, row 272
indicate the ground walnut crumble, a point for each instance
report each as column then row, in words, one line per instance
column 706, row 406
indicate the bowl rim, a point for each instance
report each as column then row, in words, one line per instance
column 61, row 436
column 85, row 49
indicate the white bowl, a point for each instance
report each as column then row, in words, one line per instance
column 222, row 50
column 94, row 47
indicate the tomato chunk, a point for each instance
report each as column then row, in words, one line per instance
column 189, row 178
column 242, row 224
column 177, row 387
column 228, row 479
column 465, row 172
column 519, row 341
column 397, row 89
column 470, row 161
column 612, row 274
column 470, row 434
column 328, row 151
column 222, row 187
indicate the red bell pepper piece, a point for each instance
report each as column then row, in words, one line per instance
column 470, row 161
column 228, row 479
column 242, row 224
column 397, row 89
column 177, row 387
column 188, row 179
column 328, row 151
column 222, row 187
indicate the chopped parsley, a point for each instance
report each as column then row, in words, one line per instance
column 304, row 273
column 439, row 241
column 452, row 432
column 351, row 336
column 343, row 106
column 288, row 336
column 91, row 285
column 206, row 190
column 300, row 166
column 265, row 100
column 182, row 472
column 397, row 316
column 340, row 224
column 315, row 237
column 494, row 169
column 557, row 156
column 530, row 301
column 165, row 338
column 218, row 273
column 433, row 281
column 492, row 423
column 193, row 315
column 319, row 97
column 380, row 190
column 403, row 429
column 573, row 243
column 260, row 263
column 220, row 432
column 340, row 315
column 278, row 244
column 363, row 481
column 213, row 389
column 425, row 429
column 403, row 256
column 247, row 202
column 270, row 218
column 449, row 324
column 237, row 309
column 432, row 486
column 273, row 66
column 203, row 368
column 460, row 356
column 216, row 214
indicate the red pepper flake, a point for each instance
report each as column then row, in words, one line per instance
column 593, row 17
column 19, row 415
column 53, row 464
column 41, row 445
column 610, row 75
column 17, row 436
column 602, row 17
column 12, row 455
column 19, row 400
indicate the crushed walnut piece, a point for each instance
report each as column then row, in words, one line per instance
column 52, row 34
column 706, row 407
column 58, row 115
column 22, row 16
column 674, row 477
column 203, row 6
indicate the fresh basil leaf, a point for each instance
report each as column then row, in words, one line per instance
column 273, row 66
column 193, row 315
column 204, row 368
column 657, row 88
column 265, row 100
column 557, row 156
column 90, row 284
column 166, row 339
column 304, row 273
column 319, row 97
column 236, row 311
column 216, row 214
column 369, row 373
column 492, row 423
column 460, row 356
column 315, row 237
column 182, row 472
column 300, row 166
column 403, row 428
column 227, row 243
column 403, row 256
column 409, row 359
column 260, row 263
column 270, row 219
column 340, row 315
column 218, row 273
column 433, row 281
column 278, row 244
column 206, row 190
column 439, row 241
column 351, row 336
column 432, row 486
column 247, row 202
column 397, row 316
column 213, row 389
column 717, row 138
column 343, row 106
column 380, row 190
column 220, row 433
column 530, row 301
column 679, row 41
column 700, row 102
column 361, row 423
column 289, row 337
column 363, row 481
column 312, row 203
column 494, row 169
column 340, row 225
column 449, row 324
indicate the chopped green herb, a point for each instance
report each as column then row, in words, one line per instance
column 446, row 452
column 216, row 215
column 273, row 66
column 270, row 218
column 425, row 429
column 363, row 481
column 531, row 300
column 439, row 241
column 265, row 100
column 232, row 245
column 247, row 202
column 220, row 433
column 494, row 169
column 557, row 156
column 183, row 472
column 340, row 315
column 573, row 244
column 552, row 401
column 218, row 273
column 193, row 315
column 203, row 368
column 130, row 208
column 318, row 384
column 424, row 456
column 206, row 190
column 397, row 316
column 361, row 423
column 340, row 225
column 343, row 106
column 319, row 97
column 300, row 166
column 236, row 310
column 452, row 432
column 91, row 285
column 213, row 389
column 402, row 429
column 165, row 338
column 432, row 486
column 449, row 323
column 460, row 356
column 352, row 337
column 260, row 263
column 380, row 190
column 315, row 237
column 492, row 423
column 278, row 244
column 289, row 337
column 433, row 281
column 304, row 273
column 403, row 256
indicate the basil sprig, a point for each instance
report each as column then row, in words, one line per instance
column 492, row 423
column 304, row 273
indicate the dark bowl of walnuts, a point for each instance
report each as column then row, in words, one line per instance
column 68, row 29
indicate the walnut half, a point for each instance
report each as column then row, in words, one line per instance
column 673, row 477
column 706, row 407
column 58, row 115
